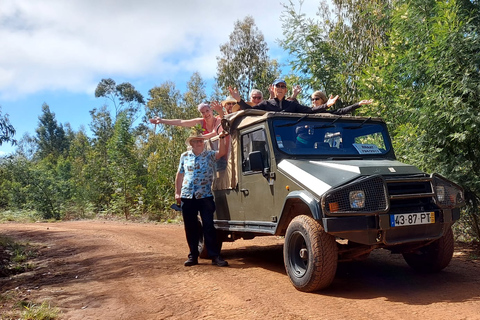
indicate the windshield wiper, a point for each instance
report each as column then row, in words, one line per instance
column 359, row 126
column 293, row 123
column 330, row 125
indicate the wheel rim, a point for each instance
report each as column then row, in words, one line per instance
column 298, row 255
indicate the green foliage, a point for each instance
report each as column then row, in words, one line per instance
column 123, row 166
column 7, row 131
column 328, row 53
column 244, row 61
column 40, row 312
column 418, row 60
column 51, row 138
column 124, row 96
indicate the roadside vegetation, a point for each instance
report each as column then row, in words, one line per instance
column 15, row 258
column 417, row 59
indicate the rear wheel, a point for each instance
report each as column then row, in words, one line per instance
column 310, row 254
column 433, row 257
column 202, row 248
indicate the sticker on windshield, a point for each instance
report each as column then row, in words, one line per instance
column 366, row 148
column 279, row 141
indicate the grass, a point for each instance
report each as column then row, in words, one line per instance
column 22, row 216
column 14, row 259
column 40, row 312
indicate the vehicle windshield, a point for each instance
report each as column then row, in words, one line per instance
column 332, row 136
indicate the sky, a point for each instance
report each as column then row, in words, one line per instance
column 57, row 51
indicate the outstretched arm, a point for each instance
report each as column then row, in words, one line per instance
column 177, row 122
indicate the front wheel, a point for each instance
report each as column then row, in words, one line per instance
column 310, row 254
column 433, row 257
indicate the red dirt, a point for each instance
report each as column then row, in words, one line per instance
column 114, row 270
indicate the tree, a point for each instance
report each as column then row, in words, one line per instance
column 428, row 83
column 51, row 138
column 194, row 96
column 124, row 96
column 244, row 61
column 328, row 53
column 7, row 131
column 123, row 164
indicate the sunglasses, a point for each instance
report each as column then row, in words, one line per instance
column 315, row 99
column 282, row 86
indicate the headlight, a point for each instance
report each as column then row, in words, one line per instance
column 448, row 194
column 357, row 199
column 364, row 195
column 440, row 193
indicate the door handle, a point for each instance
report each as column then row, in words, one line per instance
column 245, row 192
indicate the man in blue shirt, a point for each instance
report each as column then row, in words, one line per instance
column 193, row 189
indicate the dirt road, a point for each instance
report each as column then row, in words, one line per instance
column 114, row 270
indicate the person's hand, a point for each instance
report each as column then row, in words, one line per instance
column 296, row 90
column 331, row 101
column 217, row 106
column 270, row 90
column 222, row 135
column 234, row 93
column 365, row 102
column 178, row 198
column 155, row 120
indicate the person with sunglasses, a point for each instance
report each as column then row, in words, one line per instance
column 256, row 96
column 279, row 103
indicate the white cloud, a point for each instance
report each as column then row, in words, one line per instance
column 70, row 45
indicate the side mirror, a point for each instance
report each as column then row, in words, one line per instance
column 256, row 161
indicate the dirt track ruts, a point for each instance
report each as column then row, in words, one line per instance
column 115, row 270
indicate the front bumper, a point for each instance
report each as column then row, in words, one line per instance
column 376, row 230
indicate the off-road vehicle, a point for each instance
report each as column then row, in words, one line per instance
column 331, row 185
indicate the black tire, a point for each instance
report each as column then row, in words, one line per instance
column 433, row 257
column 202, row 248
column 310, row 255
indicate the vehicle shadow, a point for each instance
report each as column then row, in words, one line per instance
column 381, row 275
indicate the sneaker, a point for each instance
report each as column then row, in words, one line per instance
column 219, row 262
column 190, row 262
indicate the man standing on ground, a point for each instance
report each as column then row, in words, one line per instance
column 193, row 189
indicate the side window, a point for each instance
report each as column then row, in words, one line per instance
column 254, row 141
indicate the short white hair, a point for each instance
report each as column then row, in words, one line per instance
column 254, row 91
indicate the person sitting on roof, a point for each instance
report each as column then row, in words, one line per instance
column 280, row 104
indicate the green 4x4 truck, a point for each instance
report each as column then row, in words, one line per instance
column 331, row 185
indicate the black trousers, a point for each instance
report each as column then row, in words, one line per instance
column 190, row 210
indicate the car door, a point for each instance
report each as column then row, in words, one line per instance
column 257, row 194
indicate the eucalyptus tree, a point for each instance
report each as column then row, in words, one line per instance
column 329, row 51
column 7, row 131
column 244, row 62
column 124, row 96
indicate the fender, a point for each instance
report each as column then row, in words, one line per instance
column 296, row 203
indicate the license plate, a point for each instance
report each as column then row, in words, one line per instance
column 410, row 219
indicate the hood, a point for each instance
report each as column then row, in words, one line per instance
column 320, row 176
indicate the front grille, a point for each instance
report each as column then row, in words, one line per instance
column 410, row 194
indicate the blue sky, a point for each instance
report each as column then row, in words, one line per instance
column 56, row 51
